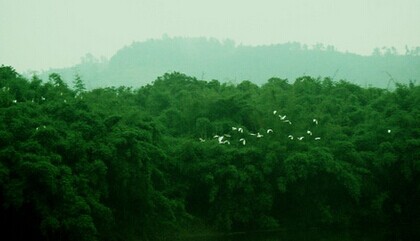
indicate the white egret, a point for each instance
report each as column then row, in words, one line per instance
column 309, row 132
column 274, row 112
column 300, row 138
column 290, row 137
column 241, row 130
column 259, row 135
column 252, row 134
column 269, row 131
column 219, row 138
column 234, row 128
column 243, row 141
column 227, row 135
column 287, row 121
column 317, row 138
column 42, row 98
column 282, row 117
column 14, row 101
column 316, row 121
column 226, row 141
column 389, row 131
column 201, row 139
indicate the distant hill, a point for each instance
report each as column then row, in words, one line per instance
column 141, row 62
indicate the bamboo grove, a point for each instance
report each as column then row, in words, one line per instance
column 119, row 163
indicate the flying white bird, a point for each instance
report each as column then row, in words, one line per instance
column 300, row 138
column 282, row 117
column 227, row 135
column 259, row 135
column 389, row 131
column 309, row 132
column 290, row 137
column 241, row 130
column 287, row 121
column 243, row 141
column 274, row 112
column 317, row 138
column 234, row 128
column 269, row 130
column 201, row 139
column 316, row 121
column 225, row 141
column 252, row 134
column 220, row 139
column 42, row 98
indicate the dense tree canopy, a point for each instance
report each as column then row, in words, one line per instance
column 123, row 164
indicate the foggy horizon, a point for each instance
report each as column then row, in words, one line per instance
column 54, row 34
column 310, row 46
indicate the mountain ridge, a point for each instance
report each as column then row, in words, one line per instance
column 140, row 63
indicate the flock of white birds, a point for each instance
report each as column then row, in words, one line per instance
column 224, row 138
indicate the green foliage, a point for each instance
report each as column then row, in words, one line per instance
column 123, row 164
column 79, row 86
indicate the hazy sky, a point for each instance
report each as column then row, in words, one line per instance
column 39, row 34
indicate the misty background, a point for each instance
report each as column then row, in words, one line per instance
column 141, row 62
column 227, row 40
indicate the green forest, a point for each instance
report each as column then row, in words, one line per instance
column 186, row 156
